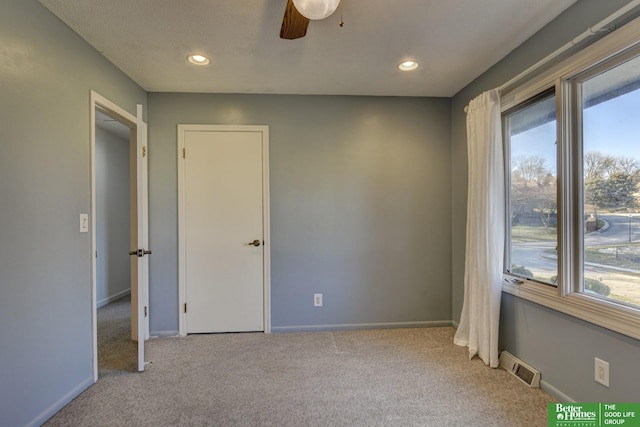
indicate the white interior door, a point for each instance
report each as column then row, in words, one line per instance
column 222, row 227
column 139, row 224
column 141, row 317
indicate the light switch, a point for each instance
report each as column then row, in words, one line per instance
column 84, row 223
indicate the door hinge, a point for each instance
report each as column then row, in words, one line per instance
column 140, row 252
column 144, row 151
column 184, row 153
column 146, row 312
column 185, row 307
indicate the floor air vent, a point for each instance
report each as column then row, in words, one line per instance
column 521, row 370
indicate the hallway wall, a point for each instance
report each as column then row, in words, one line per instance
column 113, row 263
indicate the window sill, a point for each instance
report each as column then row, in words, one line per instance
column 607, row 314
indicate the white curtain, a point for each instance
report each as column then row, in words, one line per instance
column 479, row 323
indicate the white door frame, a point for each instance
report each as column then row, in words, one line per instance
column 138, row 128
column 266, row 260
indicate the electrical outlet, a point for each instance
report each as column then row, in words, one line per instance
column 602, row 372
column 317, row 300
column 84, row 223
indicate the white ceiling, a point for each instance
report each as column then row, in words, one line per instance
column 455, row 41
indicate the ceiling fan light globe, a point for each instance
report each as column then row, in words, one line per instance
column 316, row 9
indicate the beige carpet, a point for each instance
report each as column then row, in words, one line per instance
column 401, row 377
column 117, row 354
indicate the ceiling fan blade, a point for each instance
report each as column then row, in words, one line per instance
column 294, row 25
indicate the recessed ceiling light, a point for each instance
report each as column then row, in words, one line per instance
column 408, row 66
column 198, row 59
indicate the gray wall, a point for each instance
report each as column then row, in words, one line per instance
column 562, row 347
column 47, row 72
column 360, row 205
column 113, row 269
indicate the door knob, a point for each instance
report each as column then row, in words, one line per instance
column 255, row 243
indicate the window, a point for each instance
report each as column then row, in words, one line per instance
column 608, row 101
column 533, row 233
column 572, row 153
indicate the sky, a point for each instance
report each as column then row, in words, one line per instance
column 611, row 127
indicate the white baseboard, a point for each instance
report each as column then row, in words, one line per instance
column 112, row 298
column 61, row 403
column 337, row 327
column 555, row 393
column 355, row 326
column 163, row 334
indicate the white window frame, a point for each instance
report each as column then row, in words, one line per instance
column 566, row 297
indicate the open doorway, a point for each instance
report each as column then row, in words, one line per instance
column 119, row 236
column 113, row 164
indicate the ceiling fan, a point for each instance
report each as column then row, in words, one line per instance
column 298, row 13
